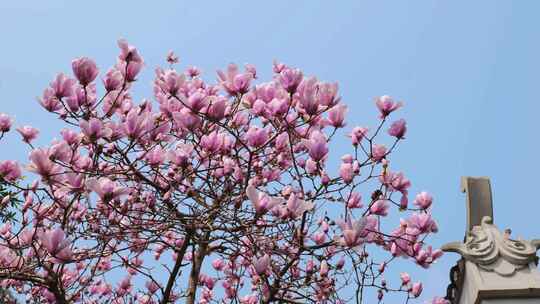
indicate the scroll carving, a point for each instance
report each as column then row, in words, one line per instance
column 487, row 247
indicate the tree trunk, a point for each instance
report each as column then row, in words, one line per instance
column 176, row 269
column 196, row 269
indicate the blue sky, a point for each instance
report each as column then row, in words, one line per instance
column 468, row 72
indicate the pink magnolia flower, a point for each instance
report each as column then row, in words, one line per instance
column 439, row 300
column 250, row 68
column 249, row 299
column 218, row 264
column 380, row 207
column 402, row 244
column 49, row 296
column 281, row 143
column 128, row 52
column 399, row 182
column 261, row 202
column 28, row 133
column 217, row 107
column 278, row 106
column 317, row 146
column 422, row 222
column 233, row 81
column 310, row 266
column 308, row 99
column 50, row 102
column 73, row 102
column 10, row 170
column 156, row 156
column 181, row 155
column 355, row 201
column 5, row 229
column 8, row 258
column 261, row 264
column 136, row 123
column 5, row 122
column 187, row 119
column 324, row 225
column 382, row 267
column 106, row 189
column 327, row 93
column 296, row 207
column 94, row 129
column 325, row 179
column 129, row 69
column 398, row 128
column 197, row 101
column 75, row 180
column 258, row 108
column 290, row 78
column 207, row 281
column 425, row 257
column 104, row 289
column 319, row 237
column 310, row 166
column 56, row 244
column 265, row 93
column 340, row 263
column 386, row 105
column 172, row 58
column 85, row 70
column 213, row 142
column 240, row 119
column 113, row 80
column 70, row 136
column 26, row 237
column 41, row 163
column 404, row 201
column 61, row 151
column 378, row 152
column 423, row 200
column 171, row 82
column 405, row 278
column 62, row 86
column 152, row 286
column 193, row 71
column 416, row 289
column 347, row 158
column 277, row 66
column 324, row 268
column 256, row 136
column 113, row 131
column 124, row 286
column 346, row 172
column 353, row 231
column 357, row 134
column 336, row 116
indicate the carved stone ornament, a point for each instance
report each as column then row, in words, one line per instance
column 487, row 247
column 493, row 267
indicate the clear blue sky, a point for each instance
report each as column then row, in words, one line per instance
column 468, row 72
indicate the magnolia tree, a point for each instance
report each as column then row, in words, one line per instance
column 213, row 193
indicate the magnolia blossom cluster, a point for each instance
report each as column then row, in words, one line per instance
column 209, row 193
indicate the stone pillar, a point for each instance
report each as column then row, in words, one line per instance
column 494, row 269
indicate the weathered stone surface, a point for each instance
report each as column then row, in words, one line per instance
column 511, row 301
column 478, row 199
